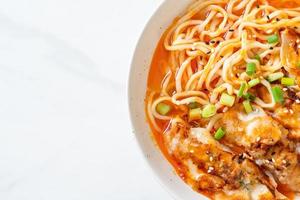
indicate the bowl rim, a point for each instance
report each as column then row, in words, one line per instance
column 163, row 183
column 130, row 76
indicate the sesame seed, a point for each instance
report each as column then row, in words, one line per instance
column 212, row 41
column 284, row 89
column 225, row 109
column 211, row 159
column 271, row 48
column 285, row 111
column 258, row 139
column 231, row 30
column 273, row 160
column 277, row 19
column 297, row 101
column 257, row 6
column 291, row 111
column 284, row 161
column 268, row 17
column 210, row 169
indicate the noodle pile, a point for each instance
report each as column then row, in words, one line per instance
column 209, row 56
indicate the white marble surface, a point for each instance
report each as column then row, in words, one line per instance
column 64, row 127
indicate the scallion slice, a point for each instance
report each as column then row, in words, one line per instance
column 163, row 108
column 277, row 94
column 220, row 133
column 248, row 107
column 275, row 76
column 253, row 82
column 209, row 111
column 288, row 81
column 258, row 58
column 242, row 89
column 227, row 100
column 251, row 68
column 273, row 39
column 249, row 96
column 195, row 114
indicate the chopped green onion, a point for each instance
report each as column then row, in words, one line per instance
column 253, row 82
column 241, row 90
column 209, row 111
column 248, row 107
column 195, row 114
column 273, row 39
column 227, row 100
column 258, row 58
column 275, row 76
column 194, row 105
column 277, row 94
column 250, row 68
column 249, row 96
column 287, row 81
column 220, row 133
column 163, row 108
column 298, row 65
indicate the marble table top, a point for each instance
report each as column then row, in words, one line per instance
column 64, row 127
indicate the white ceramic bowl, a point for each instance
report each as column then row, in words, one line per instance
column 161, row 19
